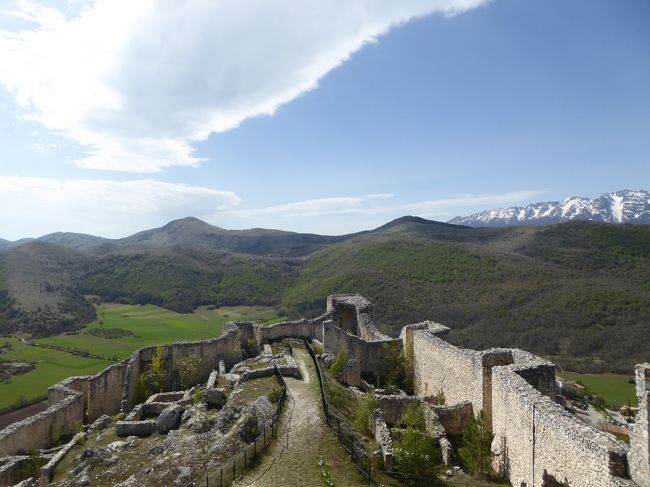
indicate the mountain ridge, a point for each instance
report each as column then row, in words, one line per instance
column 624, row 206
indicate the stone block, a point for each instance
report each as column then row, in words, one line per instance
column 215, row 397
column 135, row 428
column 169, row 418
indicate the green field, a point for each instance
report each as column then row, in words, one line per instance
column 614, row 389
column 151, row 325
column 51, row 367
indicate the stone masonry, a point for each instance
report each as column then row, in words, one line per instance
column 534, row 436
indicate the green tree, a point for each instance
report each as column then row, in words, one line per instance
column 189, row 370
column 476, row 452
column 399, row 362
column 339, row 363
column 365, row 406
column 153, row 380
column 416, row 453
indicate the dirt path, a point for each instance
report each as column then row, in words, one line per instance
column 313, row 449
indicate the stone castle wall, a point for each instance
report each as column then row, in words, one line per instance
column 41, row 430
column 439, row 366
column 639, row 455
column 534, row 436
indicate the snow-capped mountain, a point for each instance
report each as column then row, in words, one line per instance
column 624, row 206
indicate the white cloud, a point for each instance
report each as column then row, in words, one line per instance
column 108, row 208
column 367, row 205
column 136, row 82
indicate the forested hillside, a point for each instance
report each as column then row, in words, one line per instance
column 578, row 293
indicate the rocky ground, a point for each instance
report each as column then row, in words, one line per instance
column 205, row 439
column 311, row 456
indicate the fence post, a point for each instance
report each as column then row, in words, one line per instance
column 244, row 458
column 221, row 477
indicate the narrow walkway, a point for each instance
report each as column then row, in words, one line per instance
column 312, row 447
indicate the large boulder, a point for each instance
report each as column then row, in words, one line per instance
column 169, row 418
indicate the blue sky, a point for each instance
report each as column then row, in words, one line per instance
column 331, row 119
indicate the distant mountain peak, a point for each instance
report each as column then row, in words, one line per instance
column 409, row 219
column 624, row 206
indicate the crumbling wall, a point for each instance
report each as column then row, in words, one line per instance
column 439, row 365
column 393, row 406
column 371, row 356
column 455, row 418
column 639, row 455
column 306, row 329
column 534, row 436
column 101, row 393
column 353, row 313
column 226, row 348
column 47, row 427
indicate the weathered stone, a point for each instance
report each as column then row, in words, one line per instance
column 169, row 418
column 137, row 428
column 215, row 397
column 100, row 423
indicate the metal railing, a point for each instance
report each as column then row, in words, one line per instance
column 347, row 437
column 248, row 457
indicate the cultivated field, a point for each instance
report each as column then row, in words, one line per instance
column 51, row 367
column 152, row 325
column 614, row 389
column 147, row 325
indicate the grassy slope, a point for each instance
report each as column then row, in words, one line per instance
column 614, row 389
column 154, row 326
column 51, row 367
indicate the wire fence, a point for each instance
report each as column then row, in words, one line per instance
column 248, row 457
column 349, row 439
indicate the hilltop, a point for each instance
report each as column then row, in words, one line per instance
column 577, row 292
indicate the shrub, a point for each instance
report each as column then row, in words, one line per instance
column 400, row 368
column 439, row 398
column 275, row 394
column 365, row 406
column 189, row 370
column 197, row 397
column 32, row 466
column 339, row 363
column 416, row 453
column 153, row 380
column 413, row 417
column 476, row 452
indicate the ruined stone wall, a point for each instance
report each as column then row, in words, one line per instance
column 534, row 436
column 306, row 329
column 393, row 406
column 371, row 356
column 455, row 418
column 439, row 365
column 639, row 455
column 45, row 428
column 341, row 306
column 101, row 393
column 226, row 348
